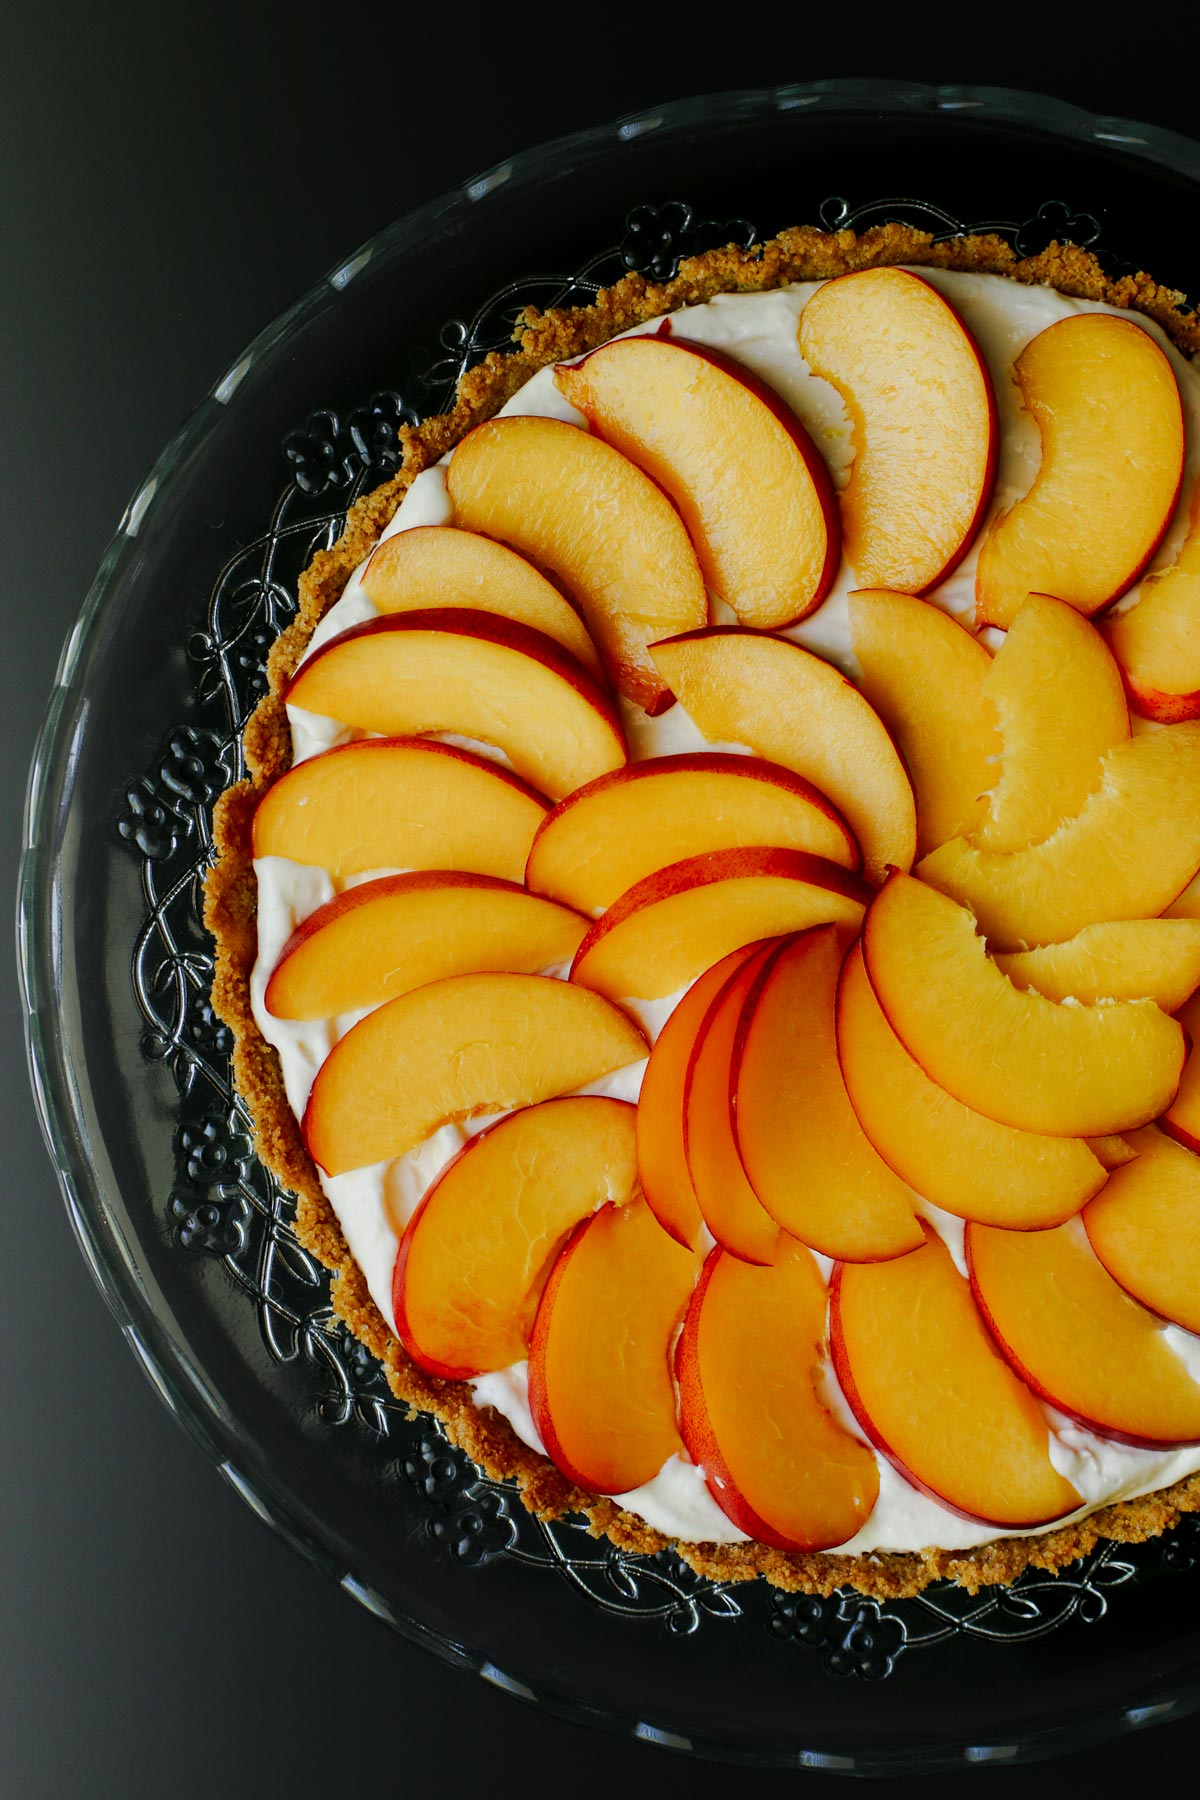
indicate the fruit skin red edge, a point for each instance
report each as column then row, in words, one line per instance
column 845, row 1376
column 404, row 1330
column 1042, row 1392
column 1164, row 709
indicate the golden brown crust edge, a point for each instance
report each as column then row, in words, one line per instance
column 803, row 253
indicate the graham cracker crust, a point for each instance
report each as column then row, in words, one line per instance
column 799, row 254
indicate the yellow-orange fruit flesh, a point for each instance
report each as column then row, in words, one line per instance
column 1126, row 959
column 1145, row 1228
column 1107, row 405
column 600, row 1386
column 924, row 1381
column 775, row 1461
column 1182, row 1118
column 1157, row 641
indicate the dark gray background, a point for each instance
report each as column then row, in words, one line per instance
column 171, row 179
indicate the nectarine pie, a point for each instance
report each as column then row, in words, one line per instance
column 712, row 931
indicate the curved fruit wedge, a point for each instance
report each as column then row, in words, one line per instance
column 774, row 1459
column 1127, row 959
column 662, row 1158
column 920, row 401
column 452, row 669
column 1145, row 1228
column 1157, row 642
column 749, row 482
column 1127, row 855
column 925, row 675
column 1112, row 1152
column 453, row 1049
column 438, row 565
column 600, row 1386
column 1077, row 1338
column 798, row 1136
column 1070, row 1071
column 582, row 511
column 1060, row 704
column 961, row 1160
column 1182, row 1118
column 742, row 687
column 476, row 1253
column 605, row 837
column 682, row 919
column 925, row 1383
column 378, row 940
column 1106, row 402
column 400, row 803
column 731, row 1209
column 1186, row 904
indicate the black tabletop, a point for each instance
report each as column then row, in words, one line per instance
column 172, row 178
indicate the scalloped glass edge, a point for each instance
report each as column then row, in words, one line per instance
column 59, row 1092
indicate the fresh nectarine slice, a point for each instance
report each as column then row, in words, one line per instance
column 1126, row 959
column 1145, row 1228
column 453, row 1049
column 582, row 511
column 1077, row 1338
column 925, row 1383
column 662, row 1158
column 668, row 927
column 399, row 803
column 452, row 669
column 600, row 1386
column 604, row 837
column 798, row 1136
column 749, row 482
column 1112, row 1152
column 775, row 1461
column 924, row 675
column 1157, row 641
column 1107, row 405
column 1071, row 1071
column 743, row 687
column 959, row 1159
column 921, row 405
column 1060, row 705
column 436, row 565
column 1182, row 1118
column 731, row 1209
column 378, row 940
column 1186, row 904
column 1132, row 849
column 478, row 1249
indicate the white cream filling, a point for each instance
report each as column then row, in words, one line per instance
column 372, row 1204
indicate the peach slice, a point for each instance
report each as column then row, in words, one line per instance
column 1070, row 1071
column 749, row 482
column 600, row 1386
column 743, row 687
column 959, row 1159
column 453, row 1049
column 1073, row 1334
column 1127, row 959
column 731, row 1209
column 665, row 929
column 1106, row 403
column 437, row 565
column 622, row 827
column 1112, row 1152
column 925, row 675
column 1132, row 849
column 921, row 404
column 477, row 1251
column 579, row 509
column 1182, row 1118
column 1145, row 1228
column 662, row 1158
column 377, row 941
column 451, row 669
column 1059, row 700
column 798, row 1136
column 1157, row 642
column 775, row 1461
column 1186, row 904
column 400, row 802
column 925, row 1383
